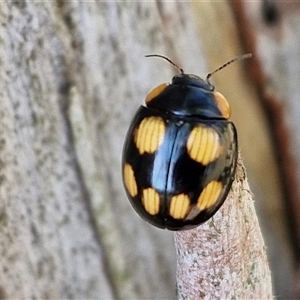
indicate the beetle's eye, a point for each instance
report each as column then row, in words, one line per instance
column 222, row 104
column 156, row 91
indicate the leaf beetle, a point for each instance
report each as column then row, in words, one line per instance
column 180, row 152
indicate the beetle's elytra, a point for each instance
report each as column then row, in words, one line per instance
column 180, row 153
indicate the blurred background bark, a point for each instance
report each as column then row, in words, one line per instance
column 72, row 75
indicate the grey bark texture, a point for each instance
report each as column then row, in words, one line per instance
column 71, row 76
column 225, row 257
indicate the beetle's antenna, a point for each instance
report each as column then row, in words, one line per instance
column 166, row 58
column 240, row 57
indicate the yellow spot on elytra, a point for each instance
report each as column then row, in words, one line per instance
column 203, row 144
column 209, row 195
column 180, row 206
column 129, row 180
column 150, row 134
column 156, row 91
column 150, row 201
column 222, row 104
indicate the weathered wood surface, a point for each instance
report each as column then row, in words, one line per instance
column 71, row 76
column 225, row 257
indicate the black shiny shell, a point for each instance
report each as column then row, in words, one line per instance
column 179, row 156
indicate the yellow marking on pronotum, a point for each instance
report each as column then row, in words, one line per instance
column 150, row 201
column 222, row 104
column 180, row 206
column 129, row 180
column 150, row 134
column 203, row 145
column 209, row 195
column 156, row 91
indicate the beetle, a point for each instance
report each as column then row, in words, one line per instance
column 180, row 152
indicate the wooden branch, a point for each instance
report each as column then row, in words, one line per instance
column 225, row 258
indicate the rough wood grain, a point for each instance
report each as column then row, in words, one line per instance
column 225, row 258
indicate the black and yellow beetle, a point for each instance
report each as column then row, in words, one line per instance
column 180, row 153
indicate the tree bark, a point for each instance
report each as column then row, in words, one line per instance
column 225, row 258
column 72, row 75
